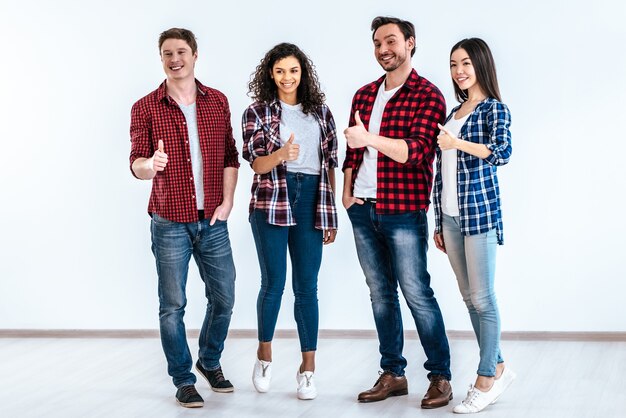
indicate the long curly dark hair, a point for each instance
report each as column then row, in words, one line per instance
column 263, row 88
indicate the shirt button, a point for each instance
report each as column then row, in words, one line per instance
column 188, row 160
column 190, row 178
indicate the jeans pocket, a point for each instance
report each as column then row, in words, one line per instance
column 159, row 220
column 352, row 207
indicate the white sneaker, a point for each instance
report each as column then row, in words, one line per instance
column 476, row 400
column 306, row 385
column 262, row 375
column 504, row 381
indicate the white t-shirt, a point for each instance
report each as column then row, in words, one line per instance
column 194, row 149
column 307, row 133
column 365, row 183
column 449, row 195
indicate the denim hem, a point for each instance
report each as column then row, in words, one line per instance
column 192, row 383
column 447, row 376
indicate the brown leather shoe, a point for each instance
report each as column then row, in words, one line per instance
column 439, row 393
column 388, row 384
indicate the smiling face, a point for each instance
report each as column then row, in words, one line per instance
column 391, row 49
column 178, row 60
column 287, row 73
column 462, row 71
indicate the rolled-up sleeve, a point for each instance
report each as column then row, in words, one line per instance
column 351, row 156
column 423, row 135
column 231, row 155
column 332, row 138
column 498, row 123
column 140, row 134
column 254, row 145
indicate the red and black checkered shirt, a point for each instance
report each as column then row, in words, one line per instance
column 157, row 116
column 411, row 114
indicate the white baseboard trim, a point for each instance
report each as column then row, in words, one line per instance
column 323, row 333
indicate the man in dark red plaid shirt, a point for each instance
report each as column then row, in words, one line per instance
column 387, row 181
column 182, row 140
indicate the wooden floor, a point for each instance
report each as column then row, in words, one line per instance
column 65, row 377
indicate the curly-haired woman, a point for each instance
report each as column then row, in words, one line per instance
column 290, row 140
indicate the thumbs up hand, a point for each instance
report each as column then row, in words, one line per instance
column 357, row 136
column 446, row 139
column 158, row 161
column 289, row 151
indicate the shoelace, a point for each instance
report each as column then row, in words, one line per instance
column 308, row 380
column 437, row 382
column 189, row 391
column 264, row 369
column 472, row 394
column 219, row 375
column 381, row 375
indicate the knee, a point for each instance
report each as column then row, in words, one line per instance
column 305, row 295
column 272, row 288
column 484, row 302
column 171, row 308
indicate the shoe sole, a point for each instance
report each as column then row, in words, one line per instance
column 260, row 390
column 435, row 406
column 214, row 389
column 396, row 393
column 190, row 404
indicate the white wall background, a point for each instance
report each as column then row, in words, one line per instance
column 74, row 233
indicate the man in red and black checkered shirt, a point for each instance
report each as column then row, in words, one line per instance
column 182, row 140
column 387, row 182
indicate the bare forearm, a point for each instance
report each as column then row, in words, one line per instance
column 266, row 163
column 142, row 167
column 331, row 179
column 230, row 182
column 396, row 149
column 477, row 150
column 347, row 182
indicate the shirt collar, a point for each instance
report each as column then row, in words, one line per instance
column 162, row 91
column 411, row 82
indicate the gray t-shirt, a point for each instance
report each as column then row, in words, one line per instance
column 307, row 134
column 194, row 150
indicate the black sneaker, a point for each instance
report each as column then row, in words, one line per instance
column 189, row 397
column 215, row 378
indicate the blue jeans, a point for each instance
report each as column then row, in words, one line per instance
column 473, row 260
column 173, row 244
column 305, row 249
column 392, row 251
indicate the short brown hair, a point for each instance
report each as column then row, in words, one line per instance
column 407, row 28
column 179, row 33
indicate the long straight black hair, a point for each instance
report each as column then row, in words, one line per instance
column 484, row 66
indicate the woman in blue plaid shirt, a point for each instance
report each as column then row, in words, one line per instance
column 473, row 143
column 290, row 140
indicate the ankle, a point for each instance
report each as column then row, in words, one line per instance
column 484, row 383
column 499, row 370
column 264, row 352
column 306, row 367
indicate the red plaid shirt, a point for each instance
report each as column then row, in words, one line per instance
column 157, row 116
column 411, row 114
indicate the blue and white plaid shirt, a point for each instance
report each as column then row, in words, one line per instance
column 478, row 192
